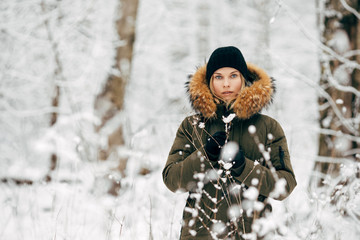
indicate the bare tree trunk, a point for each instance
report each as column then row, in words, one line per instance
column 339, row 29
column 110, row 101
column 203, row 24
column 58, row 75
column 265, row 10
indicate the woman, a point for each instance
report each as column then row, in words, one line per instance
column 228, row 183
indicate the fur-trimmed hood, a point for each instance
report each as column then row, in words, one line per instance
column 251, row 100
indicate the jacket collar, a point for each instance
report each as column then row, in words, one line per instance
column 251, row 100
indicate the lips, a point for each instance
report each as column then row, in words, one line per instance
column 226, row 93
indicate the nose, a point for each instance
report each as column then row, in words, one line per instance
column 226, row 82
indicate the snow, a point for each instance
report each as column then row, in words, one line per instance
column 218, row 228
column 251, row 193
column 342, row 76
column 340, row 41
column 229, row 151
column 254, row 181
column 339, row 101
column 252, row 129
column 234, row 212
column 172, row 39
column 229, row 118
column 279, row 188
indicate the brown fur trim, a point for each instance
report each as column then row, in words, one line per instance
column 251, row 100
column 200, row 95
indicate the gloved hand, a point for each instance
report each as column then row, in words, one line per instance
column 214, row 144
column 238, row 163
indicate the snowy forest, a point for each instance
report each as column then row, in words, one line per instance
column 92, row 93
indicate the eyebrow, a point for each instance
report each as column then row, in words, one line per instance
column 236, row 71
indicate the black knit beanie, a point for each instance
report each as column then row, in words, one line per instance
column 226, row 57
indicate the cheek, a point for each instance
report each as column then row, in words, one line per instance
column 216, row 87
column 238, row 85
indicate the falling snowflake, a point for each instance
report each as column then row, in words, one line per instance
column 252, row 129
column 234, row 212
column 254, row 181
column 229, row 151
column 252, row 193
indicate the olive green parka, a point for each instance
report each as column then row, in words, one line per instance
column 221, row 204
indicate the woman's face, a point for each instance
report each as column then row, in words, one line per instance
column 227, row 83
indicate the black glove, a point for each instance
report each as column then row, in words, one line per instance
column 214, row 144
column 238, row 163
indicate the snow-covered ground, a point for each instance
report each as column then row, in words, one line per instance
column 169, row 46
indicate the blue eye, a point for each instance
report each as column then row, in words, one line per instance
column 234, row 76
column 218, row 77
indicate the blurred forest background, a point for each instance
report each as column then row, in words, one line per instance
column 92, row 93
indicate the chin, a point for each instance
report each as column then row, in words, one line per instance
column 228, row 99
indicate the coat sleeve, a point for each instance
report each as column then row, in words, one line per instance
column 186, row 158
column 276, row 177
